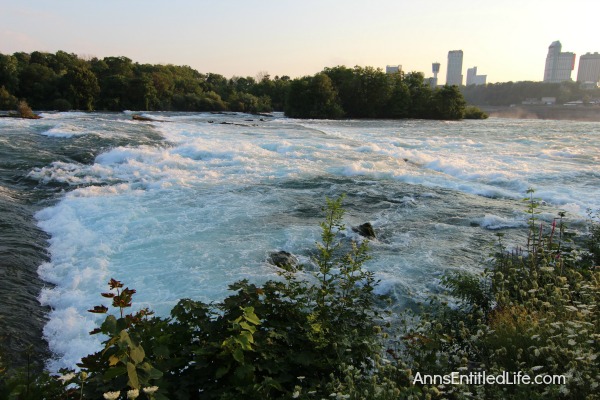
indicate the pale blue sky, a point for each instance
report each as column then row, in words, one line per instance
column 507, row 40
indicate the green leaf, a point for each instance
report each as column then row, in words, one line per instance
column 113, row 360
column 245, row 339
column 250, row 316
column 109, row 326
column 247, row 327
column 124, row 339
column 155, row 373
column 221, row 371
column 147, row 372
column 122, row 324
column 137, row 354
column 238, row 355
column 133, row 376
column 112, row 373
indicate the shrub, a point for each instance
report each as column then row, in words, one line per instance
column 539, row 316
column 472, row 112
column 24, row 111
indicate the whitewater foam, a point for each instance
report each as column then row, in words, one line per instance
column 204, row 208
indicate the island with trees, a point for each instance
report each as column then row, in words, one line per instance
column 63, row 81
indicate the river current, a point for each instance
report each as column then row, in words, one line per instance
column 185, row 206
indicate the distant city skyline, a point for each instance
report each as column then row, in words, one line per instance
column 507, row 40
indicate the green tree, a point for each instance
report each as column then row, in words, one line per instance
column 371, row 92
column 313, row 97
column 142, row 94
column 114, row 93
column 39, row 85
column 7, row 100
column 399, row 102
column 81, row 88
column 246, row 102
column 448, row 103
column 9, row 73
column 218, row 84
column 420, row 95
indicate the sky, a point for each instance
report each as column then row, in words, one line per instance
column 506, row 39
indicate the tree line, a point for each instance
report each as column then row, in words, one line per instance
column 63, row 81
column 507, row 93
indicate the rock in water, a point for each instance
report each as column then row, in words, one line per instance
column 138, row 117
column 365, row 230
column 284, row 260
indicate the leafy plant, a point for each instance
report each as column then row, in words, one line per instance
column 535, row 310
column 122, row 364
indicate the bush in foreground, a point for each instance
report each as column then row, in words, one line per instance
column 534, row 311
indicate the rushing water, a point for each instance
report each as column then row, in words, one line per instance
column 184, row 207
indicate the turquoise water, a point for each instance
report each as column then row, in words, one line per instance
column 184, row 207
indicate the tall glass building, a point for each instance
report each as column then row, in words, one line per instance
column 558, row 64
column 589, row 68
column 454, row 73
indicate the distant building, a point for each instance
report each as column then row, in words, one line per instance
column 589, row 68
column 548, row 101
column 393, row 69
column 558, row 64
column 474, row 79
column 454, row 73
column 435, row 68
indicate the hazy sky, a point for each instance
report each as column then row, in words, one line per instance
column 506, row 39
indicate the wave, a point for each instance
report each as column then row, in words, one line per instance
column 188, row 214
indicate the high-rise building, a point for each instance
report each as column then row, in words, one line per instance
column 454, row 73
column 393, row 69
column 558, row 64
column 589, row 68
column 474, row 79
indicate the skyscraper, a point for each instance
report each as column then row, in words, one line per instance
column 393, row 69
column 473, row 78
column 454, row 72
column 589, row 68
column 558, row 64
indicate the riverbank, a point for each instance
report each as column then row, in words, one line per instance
column 557, row 112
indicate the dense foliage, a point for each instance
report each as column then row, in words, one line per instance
column 507, row 93
column 371, row 93
column 534, row 311
column 63, row 81
column 317, row 332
